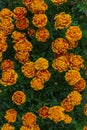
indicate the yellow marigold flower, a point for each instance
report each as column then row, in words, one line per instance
column 85, row 109
column 7, row 64
column 37, row 84
column 62, row 20
column 75, row 97
column 60, row 46
column 23, row 45
column 28, row 69
column 18, row 97
column 44, row 75
column 19, row 12
column 43, row 112
column 73, row 33
column 67, row 119
column 72, row 77
column 42, row 34
column 9, row 77
column 56, row 113
column 17, row 36
column 80, row 85
column 7, row 126
column 59, row 1
column 3, row 46
column 10, row 115
column 72, row 44
column 31, row 32
column 22, row 23
column 76, row 62
column 7, row 26
column 41, row 64
column 60, row 64
column 67, row 105
column 22, row 57
column 29, row 119
column 85, row 128
column 39, row 20
column 5, row 13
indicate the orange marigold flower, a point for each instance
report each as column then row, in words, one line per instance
column 22, row 57
column 44, row 75
column 67, row 105
column 76, row 62
column 35, row 127
column 37, row 84
column 56, row 113
column 59, row 1
column 29, row 119
column 72, row 44
column 23, row 45
column 7, row 64
column 7, row 26
column 75, row 97
column 41, row 64
column 22, row 23
column 85, row 109
column 67, row 119
column 85, row 128
column 60, row 46
column 42, row 34
column 0, row 56
column 31, row 32
column 5, row 13
column 11, row 115
column 25, row 128
column 39, row 20
column 43, row 111
column 18, row 97
column 73, row 33
column 80, row 85
column 9, row 77
column 61, row 64
column 72, row 77
column 19, row 12
column 62, row 20
column 17, row 36
column 28, row 69
column 37, row 7
column 2, row 37
column 3, row 46
column 7, row 126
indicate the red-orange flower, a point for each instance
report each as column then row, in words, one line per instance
column 43, row 111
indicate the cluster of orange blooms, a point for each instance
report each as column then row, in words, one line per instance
column 3, row 44
column 6, row 22
column 74, row 98
column 9, row 76
column 19, row 14
column 38, row 71
column 22, row 47
column 55, row 113
column 28, row 120
column 38, row 7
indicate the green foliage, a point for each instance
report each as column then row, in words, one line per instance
column 56, row 89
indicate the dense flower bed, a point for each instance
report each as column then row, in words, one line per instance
column 42, row 66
